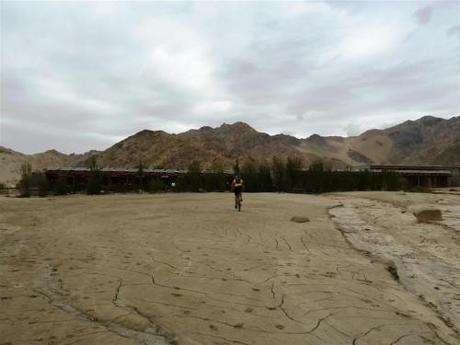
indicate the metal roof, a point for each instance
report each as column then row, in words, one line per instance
column 412, row 167
column 416, row 172
column 120, row 170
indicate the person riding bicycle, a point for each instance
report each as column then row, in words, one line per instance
column 237, row 186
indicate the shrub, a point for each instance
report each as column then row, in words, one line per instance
column 94, row 183
column 293, row 173
column 215, row 181
column 455, row 181
column 193, row 177
column 25, row 183
column 236, row 167
column 278, row 171
column 60, row 186
column 140, row 176
column 42, row 184
column 249, row 174
column 265, row 183
column 420, row 189
column 95, row 180
column 182, row 184
column 157, row 185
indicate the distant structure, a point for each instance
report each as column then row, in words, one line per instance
column 429, row 176
column 77, row 177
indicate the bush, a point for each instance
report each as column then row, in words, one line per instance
column 265, row 183
column 216, row 180
column 236, row 167
column 193, row 177
column 42, row 185
column 60, row 186
column 157, row 185
column 420, row 189
column 95, row 180
column 293, row 173
column 182, row 184
column 25, row 183
column 249, row 173
column 140, row 176
column 278, row 172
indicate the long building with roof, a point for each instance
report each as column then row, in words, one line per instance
column 429, row 176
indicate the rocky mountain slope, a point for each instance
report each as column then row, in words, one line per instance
column 429, row 140
column 11, row 162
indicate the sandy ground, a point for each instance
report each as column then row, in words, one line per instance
column 426, row 255
column 189, row 269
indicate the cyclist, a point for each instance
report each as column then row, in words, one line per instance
column 237, row 186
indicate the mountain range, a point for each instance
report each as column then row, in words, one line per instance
column 428, row 140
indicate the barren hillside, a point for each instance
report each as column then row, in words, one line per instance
column 429, row 140
column 11, row 162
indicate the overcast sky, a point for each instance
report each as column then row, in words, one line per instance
column 82, row 75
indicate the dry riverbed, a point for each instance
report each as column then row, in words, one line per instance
column 189, row 269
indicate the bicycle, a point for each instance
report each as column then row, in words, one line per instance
column 238, row 202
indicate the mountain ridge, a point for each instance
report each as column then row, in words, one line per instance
column 428, row 140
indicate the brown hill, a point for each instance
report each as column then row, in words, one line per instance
column 11, row 162
column 429, row 140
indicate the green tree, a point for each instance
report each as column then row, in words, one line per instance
column 42, row 184
column 293, row 173
column 317, row 166
column 236, row 167
column 182, row 184
column 60, row 186
column 278, row 172
column 249, row 173
column 264, row 178
column 95, row 178
column 215, row 180
column 156, row 185
column 25, row 183
column 140, row 176
column 194, row 176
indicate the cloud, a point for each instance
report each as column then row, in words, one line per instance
column 375, row 39
column 423, row 15
column 453, row 31
column 77, row 76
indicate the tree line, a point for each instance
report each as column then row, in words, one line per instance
column 292, row 176
column 277, row 175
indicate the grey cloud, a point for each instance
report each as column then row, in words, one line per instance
column 76, row 77
column 423, row 15
column 453, row 31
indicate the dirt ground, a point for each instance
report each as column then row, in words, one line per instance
column 188, row 269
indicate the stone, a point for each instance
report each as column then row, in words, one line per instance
column 300, row 219
column 425, row 215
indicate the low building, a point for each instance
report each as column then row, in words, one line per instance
column 76, row 178
column 429, row 176
column 116, row 179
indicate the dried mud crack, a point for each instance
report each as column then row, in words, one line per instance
column 359, row 220
column 186, row 269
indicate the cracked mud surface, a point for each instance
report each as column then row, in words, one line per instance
column 188, row 269
column 426, row 256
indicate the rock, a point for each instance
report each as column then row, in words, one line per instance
column 424, row 215
column 300, row 219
